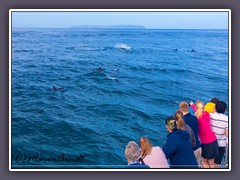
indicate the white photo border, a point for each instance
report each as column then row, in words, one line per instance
column 118, row 10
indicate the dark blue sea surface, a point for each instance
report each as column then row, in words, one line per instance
column 144, row 76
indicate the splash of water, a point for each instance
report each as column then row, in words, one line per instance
column 123, row 46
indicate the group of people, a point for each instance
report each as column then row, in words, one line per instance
column 194, row 141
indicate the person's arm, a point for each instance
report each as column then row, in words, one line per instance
column 226, row 132
column 193, row 106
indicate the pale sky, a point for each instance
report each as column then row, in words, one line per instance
column 151, row 20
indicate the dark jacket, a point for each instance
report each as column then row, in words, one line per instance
column 192, row 121
column 179, row 151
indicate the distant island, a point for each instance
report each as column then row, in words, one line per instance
column 109, row 27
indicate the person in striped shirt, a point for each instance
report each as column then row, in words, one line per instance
column 219, row 125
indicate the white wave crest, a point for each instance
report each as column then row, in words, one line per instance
column 123, row 46
column 111, row 78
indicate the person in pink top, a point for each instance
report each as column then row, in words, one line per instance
column 208, row 139
column 152, row 156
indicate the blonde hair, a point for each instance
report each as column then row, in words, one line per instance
column 145, row 145
column 183, row 106
column 199, row 109
column 180, row 121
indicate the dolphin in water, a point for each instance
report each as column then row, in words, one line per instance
column 100, row 69
column 57, row 89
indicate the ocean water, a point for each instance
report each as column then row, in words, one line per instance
column 144, row 75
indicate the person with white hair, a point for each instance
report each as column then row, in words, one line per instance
column 132, row 154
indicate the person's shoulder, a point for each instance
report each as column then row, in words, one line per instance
column 206, row 114
column 178, row 132
column 190, row 116
column 180, row 135
column 213, row 114
column 224, row 116
column 219, row 116
column 145, row 166
column 156, row 149
column 193, row 117
column 173, row 135
column 137, row 166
